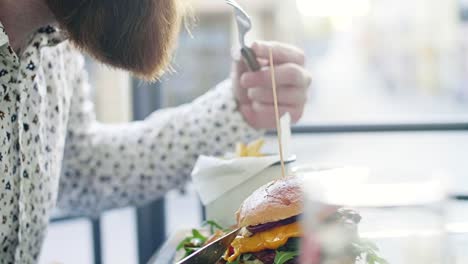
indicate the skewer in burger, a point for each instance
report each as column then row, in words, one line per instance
column 270, row 229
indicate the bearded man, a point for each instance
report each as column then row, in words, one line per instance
column 53, row 152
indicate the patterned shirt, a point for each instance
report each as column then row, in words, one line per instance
column 50, row 141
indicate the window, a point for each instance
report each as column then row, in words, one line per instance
column 385, row 61
column 207, row 46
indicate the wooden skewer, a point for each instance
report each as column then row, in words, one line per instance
column 278, row 124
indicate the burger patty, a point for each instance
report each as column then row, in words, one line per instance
column 267, row 226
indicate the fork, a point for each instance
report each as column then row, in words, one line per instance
column 244, row 25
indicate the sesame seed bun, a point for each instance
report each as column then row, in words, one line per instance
column 275, row 201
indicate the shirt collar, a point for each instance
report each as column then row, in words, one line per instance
column 44, row 37
column 3, row 36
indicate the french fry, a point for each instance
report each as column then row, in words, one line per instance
column 253, row 149
column 241, row 150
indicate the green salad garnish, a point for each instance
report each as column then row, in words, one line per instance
column 283, row 257
column 197, row 240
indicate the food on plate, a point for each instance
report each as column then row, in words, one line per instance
column 252, row 149
column 271, row 232
column 269, row 221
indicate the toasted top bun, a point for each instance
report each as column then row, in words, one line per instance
column 275, row 201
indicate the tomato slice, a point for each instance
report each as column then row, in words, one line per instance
column 231, row 250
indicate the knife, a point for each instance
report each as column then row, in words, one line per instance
column 211, row 253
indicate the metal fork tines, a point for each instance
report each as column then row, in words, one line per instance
column 244, row 25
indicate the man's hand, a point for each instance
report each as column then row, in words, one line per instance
column 253, row 90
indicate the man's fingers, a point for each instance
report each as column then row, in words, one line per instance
column 263, row 62
column 255, row 88
column 282, row 53
column 286, row 96
column 288, row 74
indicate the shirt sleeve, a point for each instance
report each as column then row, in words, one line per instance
column 108, row 166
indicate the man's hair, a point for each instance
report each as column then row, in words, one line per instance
column 136, row 35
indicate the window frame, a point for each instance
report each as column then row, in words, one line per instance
column 381, row 127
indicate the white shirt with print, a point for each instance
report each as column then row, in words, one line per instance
column 54, row 152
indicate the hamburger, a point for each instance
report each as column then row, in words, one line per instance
column 271, row 232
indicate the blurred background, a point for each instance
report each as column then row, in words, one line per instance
column 375, row 63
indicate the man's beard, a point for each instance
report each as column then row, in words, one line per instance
column 135, row 35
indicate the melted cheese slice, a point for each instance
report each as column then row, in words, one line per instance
column 270, row 239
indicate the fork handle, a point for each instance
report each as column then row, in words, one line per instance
column 250, row 59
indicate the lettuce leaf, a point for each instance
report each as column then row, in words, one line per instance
column 214, row 226
column 284, row 256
